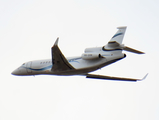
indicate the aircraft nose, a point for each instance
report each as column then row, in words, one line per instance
column 15, row 72
column 19, row 71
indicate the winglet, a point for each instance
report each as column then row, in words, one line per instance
column 143, row 77
column 56, row 42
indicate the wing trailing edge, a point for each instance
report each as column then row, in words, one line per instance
column 103, row 77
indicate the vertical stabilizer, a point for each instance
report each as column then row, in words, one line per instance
column 119, row 35
column 116, row 40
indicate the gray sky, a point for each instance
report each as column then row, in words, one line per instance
column 29, row 28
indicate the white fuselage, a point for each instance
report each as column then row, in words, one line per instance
column 81, row 65
column 92, row 59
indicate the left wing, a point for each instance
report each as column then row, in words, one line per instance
column 59, row 61
column 103, row 77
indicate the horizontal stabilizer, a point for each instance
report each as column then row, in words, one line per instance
column 132, row 50
column 103, row 77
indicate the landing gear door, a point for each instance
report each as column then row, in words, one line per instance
column 28, row 65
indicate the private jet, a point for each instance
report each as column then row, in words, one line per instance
column 92, row 59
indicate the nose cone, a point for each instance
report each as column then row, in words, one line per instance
column 19, row 71
column 15, row 72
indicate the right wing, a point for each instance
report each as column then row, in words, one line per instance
column 59, row 61
column 103, row 77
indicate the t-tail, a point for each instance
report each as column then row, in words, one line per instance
column 116, row 42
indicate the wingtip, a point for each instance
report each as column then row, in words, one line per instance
column 56, row 42
column 143, row 77
column 140, row 52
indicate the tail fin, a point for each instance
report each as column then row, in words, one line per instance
column 119, row 35
column 116, row 40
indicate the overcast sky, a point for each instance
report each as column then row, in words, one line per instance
column 29, row 28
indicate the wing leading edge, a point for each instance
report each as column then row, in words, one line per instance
column 103, row 77
column 59, row 61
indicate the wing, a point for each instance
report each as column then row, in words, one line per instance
column 103, row 77
column 59, row 61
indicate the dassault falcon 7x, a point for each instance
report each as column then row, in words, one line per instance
column 92, row 59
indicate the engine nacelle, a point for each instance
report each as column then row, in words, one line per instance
column 90, row 56
column 94, row 49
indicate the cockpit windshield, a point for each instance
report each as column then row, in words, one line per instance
column 23, row 64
